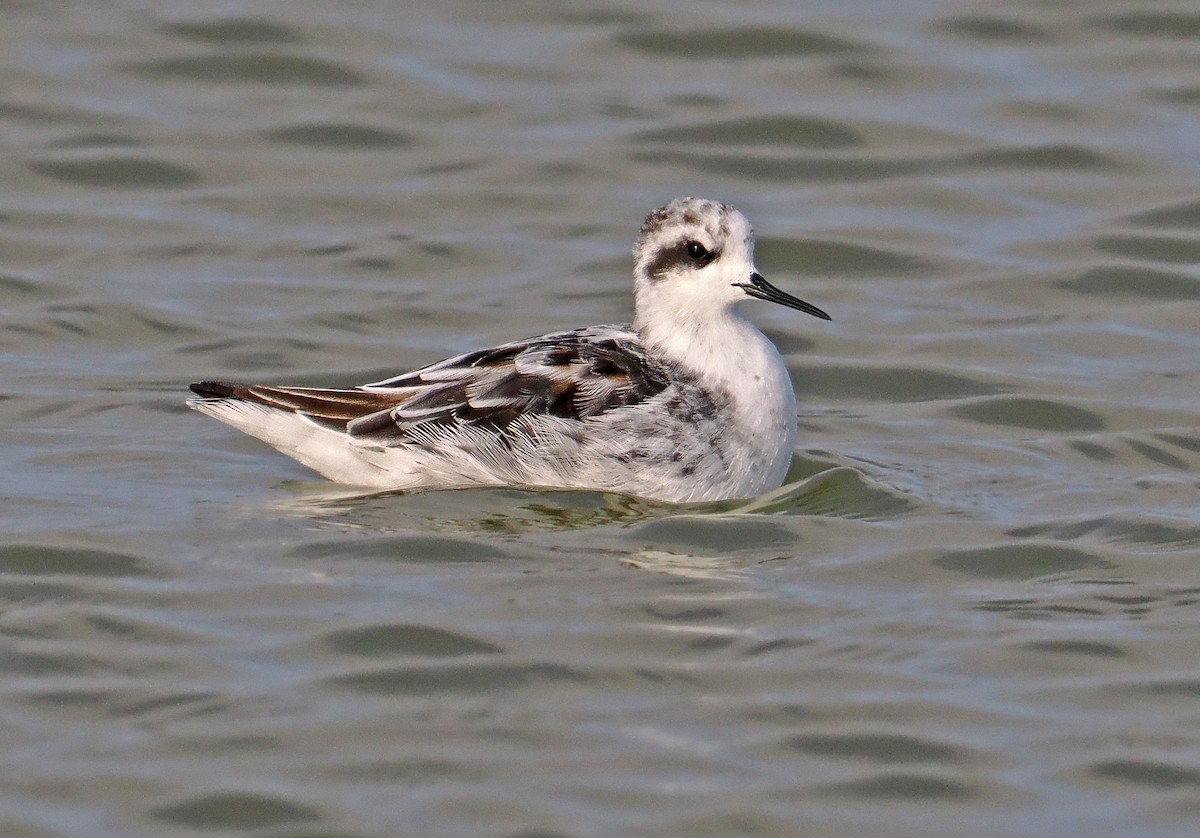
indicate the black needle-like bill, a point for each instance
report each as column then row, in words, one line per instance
column 760, row 289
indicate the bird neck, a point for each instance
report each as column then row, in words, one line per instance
column 726, row 351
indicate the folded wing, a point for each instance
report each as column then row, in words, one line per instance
column 570, row 375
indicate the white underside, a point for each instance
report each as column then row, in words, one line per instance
column 336, row 455
column 671, row 462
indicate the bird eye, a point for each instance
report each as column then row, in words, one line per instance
column 696, row 251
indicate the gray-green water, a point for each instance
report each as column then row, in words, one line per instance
column 972, row 610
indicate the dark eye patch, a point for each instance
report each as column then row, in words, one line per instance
column 687, row 253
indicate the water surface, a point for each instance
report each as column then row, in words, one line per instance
column 971, row 609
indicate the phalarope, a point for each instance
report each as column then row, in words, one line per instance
column 690, row 402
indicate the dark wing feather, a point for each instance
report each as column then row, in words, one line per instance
column 332, row 408
column 571, row 375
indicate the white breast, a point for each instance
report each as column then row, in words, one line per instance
column 731, row 356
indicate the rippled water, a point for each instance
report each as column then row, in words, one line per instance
column 971, row 610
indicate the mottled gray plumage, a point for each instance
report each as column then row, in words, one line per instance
column 690, row 402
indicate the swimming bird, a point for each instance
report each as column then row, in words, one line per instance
column 690, row 402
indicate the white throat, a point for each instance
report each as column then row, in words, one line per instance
column 728, row 353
